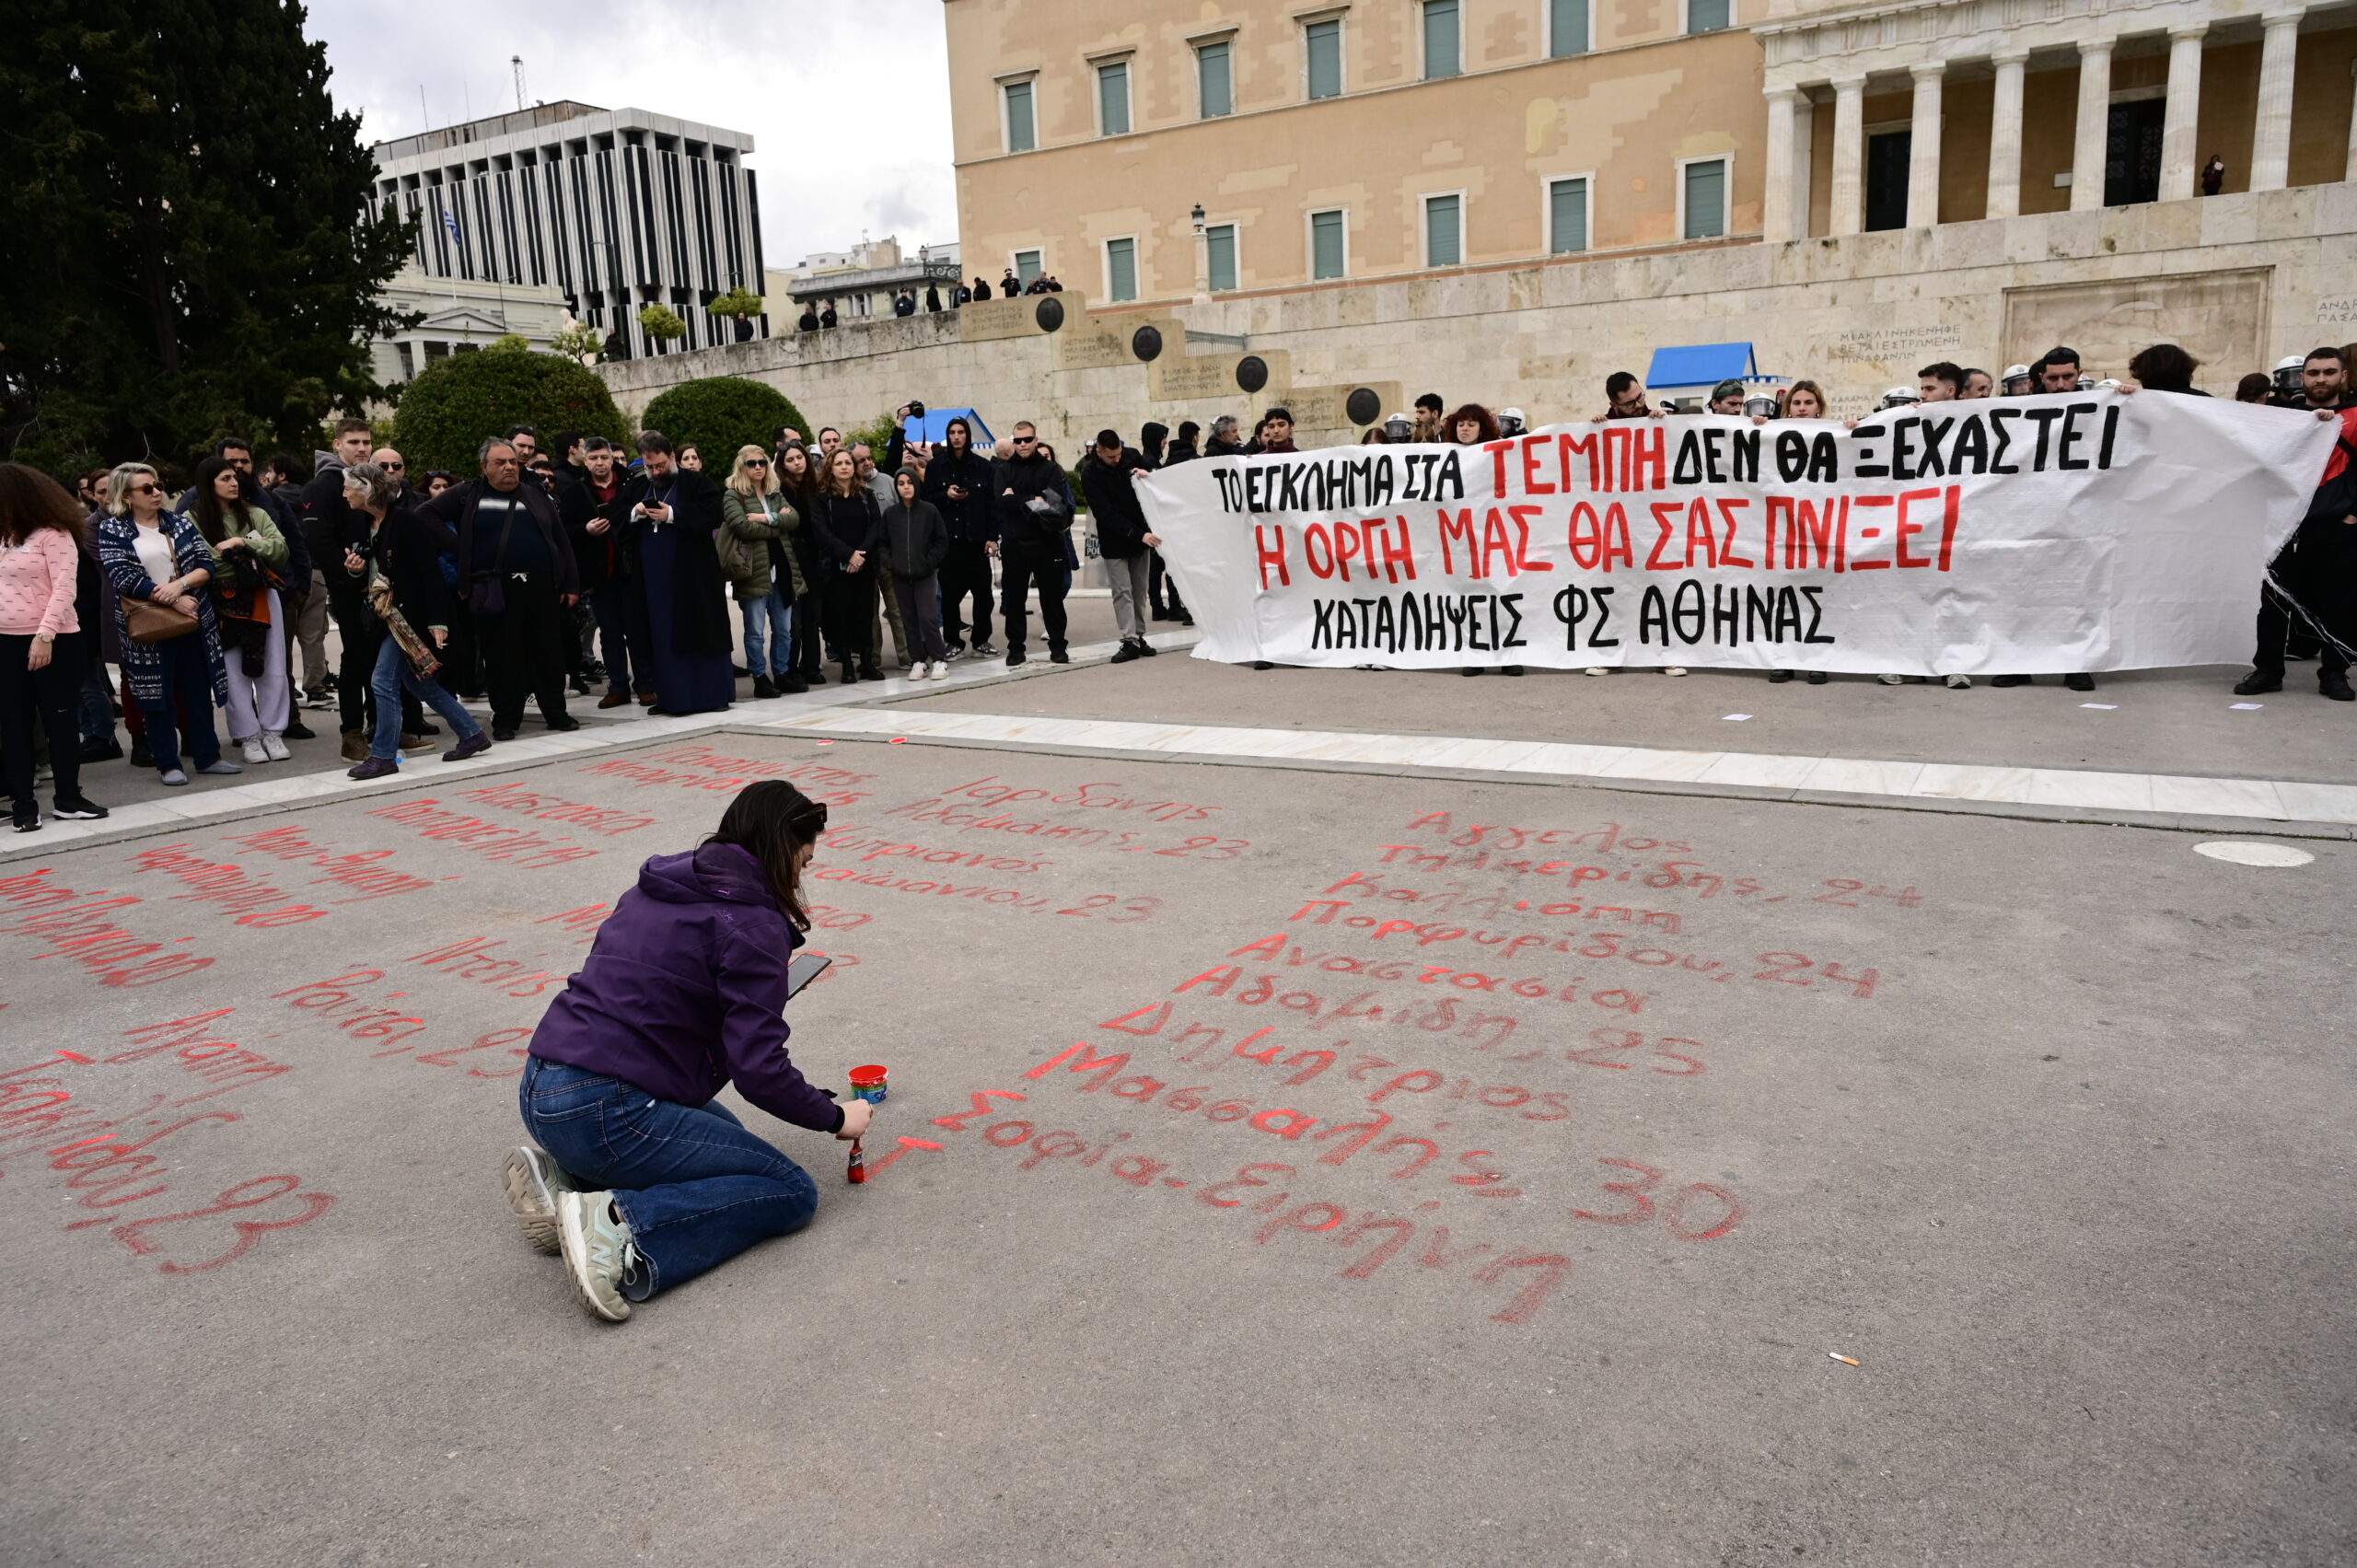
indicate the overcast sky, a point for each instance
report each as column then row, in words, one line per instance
column 848, row 104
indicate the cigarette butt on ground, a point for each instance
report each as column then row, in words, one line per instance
column 1845, row 1359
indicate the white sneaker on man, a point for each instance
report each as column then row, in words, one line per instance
column 1959, row 683
column 273, row 746
column 253, row 751
column 1599, row 669
column 1674, row 670
column 941, row 669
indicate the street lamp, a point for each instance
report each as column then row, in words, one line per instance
column 1202, row 259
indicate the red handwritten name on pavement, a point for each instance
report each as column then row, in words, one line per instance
column 100, row 1157
column 79, row 927
column 493, row 841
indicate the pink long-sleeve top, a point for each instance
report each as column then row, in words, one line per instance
column 36, row 581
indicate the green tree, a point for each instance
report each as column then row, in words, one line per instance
column 188, row 242
column 662, row 323
column 721, row 414
column 739, row 301
column 455, row 402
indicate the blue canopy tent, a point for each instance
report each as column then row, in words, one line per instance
column 934, row 425
column 1698, row 367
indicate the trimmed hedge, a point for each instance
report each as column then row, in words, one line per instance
column 720, row 413
column 454, row 403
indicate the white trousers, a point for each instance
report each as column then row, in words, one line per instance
column 259, row 705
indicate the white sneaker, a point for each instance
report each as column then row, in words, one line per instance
column 534, row 1179
column 599, row 1252
column 253, row 751
column 274, row 747
column 1599, row 669
column 1959, row 683
column 940, row 670
column 1889, row 680
column 1674, row 670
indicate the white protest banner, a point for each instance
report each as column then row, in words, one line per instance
column 2087, row 531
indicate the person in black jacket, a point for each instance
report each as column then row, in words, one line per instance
column 1162, row 587
column 1034, row 522
column 333, row 532
column 910, row 541
column 843, row 518
column 674, row 514
column 411, row 603
column 595, row 519
column 516, row 568
column 958, row 484
column 1109, row 477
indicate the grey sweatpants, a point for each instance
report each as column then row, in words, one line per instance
column 1130, row 576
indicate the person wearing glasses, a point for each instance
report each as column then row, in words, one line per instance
column 756, row 554
column 636, row 1175
column 1035, row 523
column 148, row 553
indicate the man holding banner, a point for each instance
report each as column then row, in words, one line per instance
column 2311, row 589
column 2064, row 533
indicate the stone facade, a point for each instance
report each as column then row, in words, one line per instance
column 2240, row 280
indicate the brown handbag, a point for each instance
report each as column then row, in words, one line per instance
column 145, row 621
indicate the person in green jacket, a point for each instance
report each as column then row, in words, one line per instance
column 756, row 523
column 227, row 508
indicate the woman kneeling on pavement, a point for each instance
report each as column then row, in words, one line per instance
column 638, row 1176
column 407, row 592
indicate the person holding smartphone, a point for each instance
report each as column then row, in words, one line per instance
column 638, row 1177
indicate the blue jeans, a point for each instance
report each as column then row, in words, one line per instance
column 98, row 697
column 394, row 671
column 776, row 612
column 187, row 674
column 694, row 1186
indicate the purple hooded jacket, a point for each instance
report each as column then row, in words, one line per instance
column 683, row 990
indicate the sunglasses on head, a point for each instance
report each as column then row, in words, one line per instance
column 811, row 822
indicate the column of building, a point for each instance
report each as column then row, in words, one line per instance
column 1791, row 108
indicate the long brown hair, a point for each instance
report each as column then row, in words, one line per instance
column 1823, row 410
column 773, row 822
column 803, row 488
column 204, row 509
column 32, row 501
column 827, row 483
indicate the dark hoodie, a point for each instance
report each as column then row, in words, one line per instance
column 683, row 990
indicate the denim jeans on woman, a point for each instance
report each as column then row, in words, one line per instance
column 189, row 674
column 393, row 673
column 775, row 612
column 694, row 1186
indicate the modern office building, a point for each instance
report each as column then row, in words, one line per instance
column 1171, row 149
column 617, row 209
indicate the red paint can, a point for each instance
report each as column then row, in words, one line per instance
column 867, row 1083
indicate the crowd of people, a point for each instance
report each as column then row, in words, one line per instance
column 582, row 569
column 820, row 313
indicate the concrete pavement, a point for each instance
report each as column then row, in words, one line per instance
column 1494, row 1171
